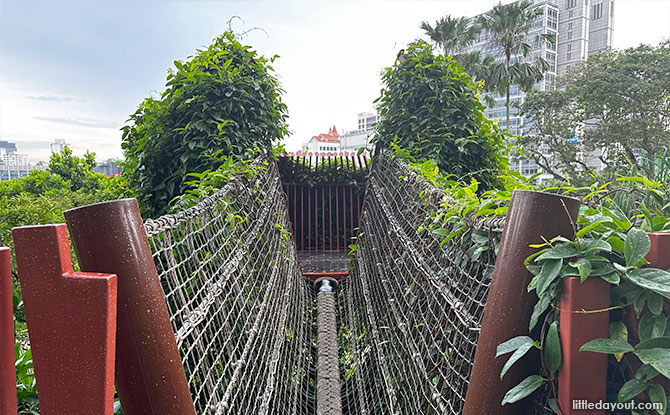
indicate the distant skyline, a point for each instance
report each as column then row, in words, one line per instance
column 76, row 70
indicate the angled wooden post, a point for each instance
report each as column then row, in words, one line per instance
column 71, row 320
column 7, row 370
column 531, row 216
column 150, row 378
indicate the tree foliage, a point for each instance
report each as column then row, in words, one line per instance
column 451, row 34
column 76, row 170
column 223, row 101
column 507, row 28
column 429, row 106
column 616, row 104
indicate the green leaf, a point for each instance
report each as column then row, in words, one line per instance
column 550, row 271
column 619, row 331
column 513, row 344
column 609, row 346
column 655, row 342
column 636, row 246
column 631, row 389
column 584, row 267
column 655, row 303
column 656, row 357
column 657, row 396
column 612, row 278
column 564, row 250
column 652, row 279
column 646, row 373
column 552, row 349
column 518, row 354
column 593, row 224
column 540, row 307
column 523, row 389
column 617, row 243
column 651, row 326
column 591, row 245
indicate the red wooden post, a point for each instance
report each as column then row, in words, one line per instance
column 150, row 377
column 71, row 323
column 7, row 371
column 582, row 377
column 659, row 253
column 531, row 216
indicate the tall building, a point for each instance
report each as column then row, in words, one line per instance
column 108, row 168
column 367, row 120
column 581, row 27
column 12, row 164
column 58, row 145
column 584, row 27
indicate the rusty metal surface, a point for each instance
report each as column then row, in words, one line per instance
column 71, row 320
column 324, row 216
column 583, row 375
column 110, row 237
column 328, row 400
column 531, row 216
column 7, row 372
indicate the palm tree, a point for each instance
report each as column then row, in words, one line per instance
column 507, row 29
column 452, row 34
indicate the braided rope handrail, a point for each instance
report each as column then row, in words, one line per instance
column 172, row 220
column 490, row 224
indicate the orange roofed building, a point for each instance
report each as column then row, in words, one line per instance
column 326, row 142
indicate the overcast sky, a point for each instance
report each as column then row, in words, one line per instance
column 76, row 69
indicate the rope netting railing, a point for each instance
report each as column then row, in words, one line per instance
column 411, row 308
column 241, row 311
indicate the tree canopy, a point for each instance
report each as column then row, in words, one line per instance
column 505, row 29
column 223, row 101
column 615, row 106
column 430, row 107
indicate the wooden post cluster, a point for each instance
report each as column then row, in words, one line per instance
column 71, row 323
column 7, row 371
column 531, row 216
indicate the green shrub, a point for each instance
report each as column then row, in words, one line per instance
column 430, row 107
column 224, row 98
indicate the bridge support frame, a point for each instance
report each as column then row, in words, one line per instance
column 531, row 216
column 71, row 320
column 150, row 378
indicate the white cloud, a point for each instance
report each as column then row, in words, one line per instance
column 78, row 75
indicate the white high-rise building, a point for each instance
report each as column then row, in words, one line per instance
column 12, row 164
column 581, row 27
column 367, row 120
column 58, row 145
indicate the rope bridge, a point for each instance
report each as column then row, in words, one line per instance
column 245, row 319
column 410, row 310
column 210, row 310
column 241, row 312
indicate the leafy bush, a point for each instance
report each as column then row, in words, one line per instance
column 223, row 100
column 430, row 107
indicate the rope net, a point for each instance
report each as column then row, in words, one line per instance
column 244, row 318
column 241, row 311
column 411, row 308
